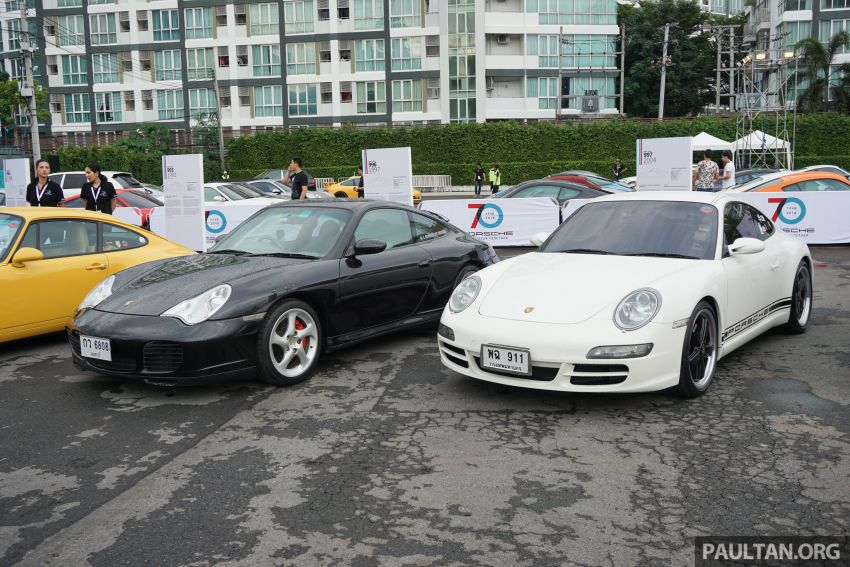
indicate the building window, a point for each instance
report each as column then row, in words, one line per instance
column 14, row 34
column 577, row 50
column 302, row 100
column 169, row 104
column 71, row 30
column 104, row 68
column 545, row 90
column 102, row 28
column 407, row 95
column 369, row 55
column 406, row 53
column 371, row 97
column 405, row 13
column 201, row 103
column 77, row 109
column 828, row 28
column 577, row 12
column 368, row 14
column 266, row 60
column 16, row 69
column 107, row 107
column 264, row 19
column 298, row 15
column 602, row 87
column 64, row 3
column 166, row 25
column 796, row 5
column 268, row 101
column 301, row 58
column 794, row 32
column 93, row 2
column 199, row 63
column 74, row 69
column 168, row 65
column 834, row 4
column 198, row 23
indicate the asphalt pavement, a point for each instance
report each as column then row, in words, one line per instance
column 386, row 458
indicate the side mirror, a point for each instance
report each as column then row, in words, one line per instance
column 746, row 246
column 539, row 238
column 25, row 255
column 369, row 246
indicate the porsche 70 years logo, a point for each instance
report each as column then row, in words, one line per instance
column 528, row 309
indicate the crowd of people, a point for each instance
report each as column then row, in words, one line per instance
column 97, row 193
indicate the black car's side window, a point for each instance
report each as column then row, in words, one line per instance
column 425, row 228
column 387, row 225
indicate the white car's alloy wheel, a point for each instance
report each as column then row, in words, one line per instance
column 699, row 352
column 801, row 299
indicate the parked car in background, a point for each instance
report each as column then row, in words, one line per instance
column 743, row 176
column 135, row 198
column 273, row 188
column 51, row 257
column 557, row 190
column 593, row 181
column 828, row 169
column 281, row 175
column 792, row 181
column 152, row 189
column 347, row 189
column 72, row 181
column 227, row 192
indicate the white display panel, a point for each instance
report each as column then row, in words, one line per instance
column 664, row 164
column 183, row 187
column 388, row 175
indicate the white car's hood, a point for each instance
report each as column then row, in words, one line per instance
column 570, row 288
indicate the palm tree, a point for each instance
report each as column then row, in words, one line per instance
column 817, row 66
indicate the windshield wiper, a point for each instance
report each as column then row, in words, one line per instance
column 228, row 251
column 285, row 255
column 585, row 251
column 663, row 255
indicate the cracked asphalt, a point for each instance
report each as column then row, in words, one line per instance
column 384, row 458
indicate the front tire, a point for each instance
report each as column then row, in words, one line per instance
column 699, row 352
column 289, row 343
column 801, row 301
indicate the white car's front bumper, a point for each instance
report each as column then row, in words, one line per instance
column 559, row 353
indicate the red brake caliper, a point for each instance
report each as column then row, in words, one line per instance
column 299, row 326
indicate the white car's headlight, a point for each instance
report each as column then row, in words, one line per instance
column 201, row 307
column 100, row 292
column 637, row 309
column 464, row 294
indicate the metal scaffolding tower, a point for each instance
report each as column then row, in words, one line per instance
column 766, row 115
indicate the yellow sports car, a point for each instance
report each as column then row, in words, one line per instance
column 347, row 189
column 50, row 258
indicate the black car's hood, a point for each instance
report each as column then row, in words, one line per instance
column 165, row 284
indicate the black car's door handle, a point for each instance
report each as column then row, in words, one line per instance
column 425, row 263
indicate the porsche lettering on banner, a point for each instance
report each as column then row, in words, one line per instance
column 499, row 222
column 814, row 217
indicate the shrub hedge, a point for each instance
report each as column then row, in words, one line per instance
column 523, row 151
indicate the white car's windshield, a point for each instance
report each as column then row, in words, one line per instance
column 10, row 225
column 672, row 229
column 300, row 231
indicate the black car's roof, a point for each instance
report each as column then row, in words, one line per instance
column 558, row 183
column 351, row 204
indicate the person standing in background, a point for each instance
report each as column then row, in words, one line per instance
column 495, row 179
column 478, row 179
column 299, row 182
column 706, row 173
column 97, row 193
column 727, row 180
column 360, row 182
column 42, row 192
column 619, row 168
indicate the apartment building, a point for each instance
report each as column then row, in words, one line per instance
column 110, row 64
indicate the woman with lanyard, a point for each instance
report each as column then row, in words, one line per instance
column 98, row 194
column 42, row 192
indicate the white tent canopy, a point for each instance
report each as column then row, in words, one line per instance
column 757, row 142
column 705, row 141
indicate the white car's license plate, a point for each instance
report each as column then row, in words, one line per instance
column 506, row 359
column 95, row 347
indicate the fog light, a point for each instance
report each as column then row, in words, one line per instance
column 446, row 332
column 620, row 351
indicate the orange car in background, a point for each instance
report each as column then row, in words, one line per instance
column 807, row 181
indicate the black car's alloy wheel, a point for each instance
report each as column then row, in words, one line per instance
column 699, row 352
column 801, row 300
column 289, row 344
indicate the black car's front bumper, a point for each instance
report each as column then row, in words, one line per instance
column 165, row 351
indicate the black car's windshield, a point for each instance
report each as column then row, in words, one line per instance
column 671, row 229
column 299, row 231
column 140, row 199
column 128, row 181
column 10, row 226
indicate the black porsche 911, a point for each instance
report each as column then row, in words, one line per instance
column 292, row 282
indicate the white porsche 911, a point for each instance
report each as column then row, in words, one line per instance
column 634, row 292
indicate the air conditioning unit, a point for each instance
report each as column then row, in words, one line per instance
column 503, row 39
column 590, row 104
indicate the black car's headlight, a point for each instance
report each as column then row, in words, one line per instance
column 201, row 307
column 637, row 309
column 464, row 294
column 100, row 292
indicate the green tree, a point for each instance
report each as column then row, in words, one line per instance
column 205, row 134
column 817, row 66
column 690, row 77
column 148, row 138
column 11, row 100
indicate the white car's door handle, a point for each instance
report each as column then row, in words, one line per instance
column 775, row 265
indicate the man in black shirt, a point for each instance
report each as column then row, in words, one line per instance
column 97, row 193
column 42, row 192
column 360, row 182
column 298, row 180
